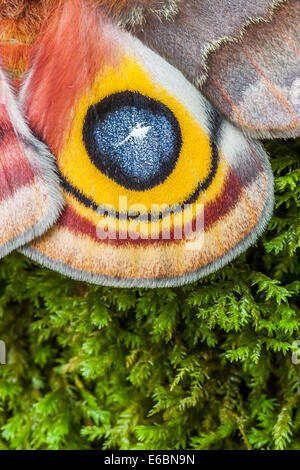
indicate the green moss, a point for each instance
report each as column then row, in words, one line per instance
column 206, row 366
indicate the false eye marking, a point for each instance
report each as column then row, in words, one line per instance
column 132, row 139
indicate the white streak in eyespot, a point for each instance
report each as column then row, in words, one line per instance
column 138, row 133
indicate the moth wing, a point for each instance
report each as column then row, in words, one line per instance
column 30, row 198
column 160, row 190
column 244, row 56
column 256, row 81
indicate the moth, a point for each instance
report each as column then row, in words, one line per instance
column 128, row 132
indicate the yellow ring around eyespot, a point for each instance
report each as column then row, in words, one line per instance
column 209, row 195
column 193, row 165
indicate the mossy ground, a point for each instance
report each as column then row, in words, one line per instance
column 206, row 366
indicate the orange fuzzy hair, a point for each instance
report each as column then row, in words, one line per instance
column 23, row 19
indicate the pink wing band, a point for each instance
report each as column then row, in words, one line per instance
column 30, row 198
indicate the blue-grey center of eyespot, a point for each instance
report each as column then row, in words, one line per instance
column 139, row 141
column 132, row 139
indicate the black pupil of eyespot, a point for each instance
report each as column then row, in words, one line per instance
column 132, row 139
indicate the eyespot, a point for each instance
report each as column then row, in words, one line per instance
column 105, row 234
column 132, row 139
